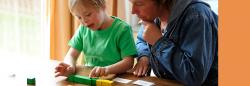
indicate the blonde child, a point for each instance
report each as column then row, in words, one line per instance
column 106, row 41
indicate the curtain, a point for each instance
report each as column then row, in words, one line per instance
column 63, row 25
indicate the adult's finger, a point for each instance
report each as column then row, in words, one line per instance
column 132, row 69
column 140, row 69
column 145, row 68
column 135, row 69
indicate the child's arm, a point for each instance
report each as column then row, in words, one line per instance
column 71, row 57
column 122, row 66
column 117, row 68
column 68, row 66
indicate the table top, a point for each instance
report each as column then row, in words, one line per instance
column 84, row 71
column 43, row 71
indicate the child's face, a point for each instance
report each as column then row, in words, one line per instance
column 89, row 16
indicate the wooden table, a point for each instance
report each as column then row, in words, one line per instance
column 44, row 75
column 86, row 70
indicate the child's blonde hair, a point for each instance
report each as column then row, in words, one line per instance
column 87, row 3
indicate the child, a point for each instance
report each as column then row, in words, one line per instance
column 107, row 42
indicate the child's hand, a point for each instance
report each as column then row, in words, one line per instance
column 64, row 69
column 98, row 71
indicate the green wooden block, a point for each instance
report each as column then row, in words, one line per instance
column 31, row 81
column 79, row 79
column 70, row 78
column 93, row 81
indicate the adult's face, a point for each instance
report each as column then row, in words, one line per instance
column 147, row 10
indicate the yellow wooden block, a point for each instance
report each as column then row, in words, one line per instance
column 107, row 82
column 110, row 83
column 101, row 82
column 98, row 82
column 104, row 83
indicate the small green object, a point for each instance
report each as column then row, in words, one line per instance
column 79, row 79
column 93, row 81
column 31, row 81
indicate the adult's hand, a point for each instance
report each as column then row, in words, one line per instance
column 151, row 33
column 141, row 67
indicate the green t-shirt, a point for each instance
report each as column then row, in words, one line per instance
column 105, row 47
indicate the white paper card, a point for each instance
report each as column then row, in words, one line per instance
column 143, row 83
column 122, row 80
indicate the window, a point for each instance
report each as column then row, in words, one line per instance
column 213, row 4
column 22, row 32
column 24, row 38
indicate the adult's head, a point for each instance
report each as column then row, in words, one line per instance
column 148, row 10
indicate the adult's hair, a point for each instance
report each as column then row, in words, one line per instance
column 165, row 3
